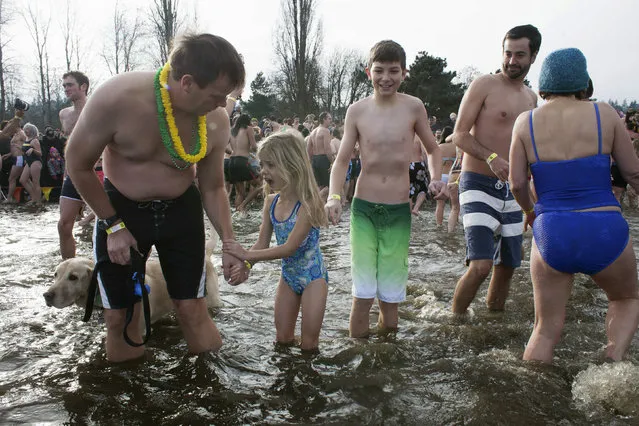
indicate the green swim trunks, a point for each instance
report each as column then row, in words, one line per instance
column 380, row 234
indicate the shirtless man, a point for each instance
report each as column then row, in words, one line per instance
column 418, row 176
column 148, row 197
column 484, row 131
column 242, row 143
column 17, row 162
column 75, row 85
column 385, row 125
column 320, row 152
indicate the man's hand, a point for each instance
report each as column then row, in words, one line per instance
column 438, row 189
column 333, row 210
column 528, row 222
column 235, row 271
column 119, row 246
column 235, row 249
column 500, row 168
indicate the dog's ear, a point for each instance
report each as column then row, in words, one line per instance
column 89, row 272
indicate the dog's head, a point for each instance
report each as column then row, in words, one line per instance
column 70, row 283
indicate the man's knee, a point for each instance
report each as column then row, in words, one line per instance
column 480, row 268
column 191, row 311
column 115, row 320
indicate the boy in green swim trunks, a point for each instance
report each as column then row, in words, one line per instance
column 385, row 125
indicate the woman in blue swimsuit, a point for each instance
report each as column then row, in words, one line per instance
column 295, row 212
column 577, row 222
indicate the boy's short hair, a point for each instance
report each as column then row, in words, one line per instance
column 387, row 51
column 525, row 31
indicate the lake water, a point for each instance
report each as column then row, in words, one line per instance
column 435, row 370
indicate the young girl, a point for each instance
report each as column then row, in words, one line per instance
column 295, row 212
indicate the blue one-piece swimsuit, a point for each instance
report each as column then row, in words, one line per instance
column 571, row 241
column 306, row 264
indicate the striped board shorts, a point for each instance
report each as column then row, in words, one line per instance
column 493, row 221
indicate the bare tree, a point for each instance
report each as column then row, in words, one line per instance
column 68, row 28
column 39, row 31
column 337, row 89
column 298, row 45
column 358, row 84
column 164, row 26
column 119, row 52
column 5, row 17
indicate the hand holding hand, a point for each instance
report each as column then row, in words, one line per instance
column 333, row 210
column 234, row 248
column 235, row 271
column 438, row 189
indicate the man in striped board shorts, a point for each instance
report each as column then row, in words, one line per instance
column 493, row 222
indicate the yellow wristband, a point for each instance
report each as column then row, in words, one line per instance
column 231, row 98
column 115, row 228
column 532, row 210
column 247, row 264
column 491, row 157
column 335, row 197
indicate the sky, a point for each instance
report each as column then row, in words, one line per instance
column 464, row 32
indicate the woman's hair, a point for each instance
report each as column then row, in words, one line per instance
column 30, row 130
column 337, row 133
column 447, row 131
column 241, row 122
column 287, row 152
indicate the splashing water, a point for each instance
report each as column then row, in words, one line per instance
column 610, row 387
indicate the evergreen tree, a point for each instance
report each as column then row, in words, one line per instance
column 262, row 101
column 429, row 81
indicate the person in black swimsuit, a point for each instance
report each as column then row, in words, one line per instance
column 30, row 178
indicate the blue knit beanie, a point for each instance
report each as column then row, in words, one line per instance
column 564, row 71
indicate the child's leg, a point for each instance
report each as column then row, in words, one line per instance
column 287, row 307
column 421, row 197
column 392, row 270
column 388, row 316
column 364, row 256
column 358, row 323
column 439, row 212
column 313, row 307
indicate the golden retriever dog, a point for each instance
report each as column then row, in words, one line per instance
column 73, row 276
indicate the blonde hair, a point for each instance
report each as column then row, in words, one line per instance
column 287, row 152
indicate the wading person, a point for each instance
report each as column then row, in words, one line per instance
column 153, row 129
column 483, row 131
column 577, row 223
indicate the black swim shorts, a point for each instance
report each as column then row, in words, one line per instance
column 69, row 191
column 176, row 229
column 321, row 169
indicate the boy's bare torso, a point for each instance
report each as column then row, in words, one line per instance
column 494, row 124
column 385, row 135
